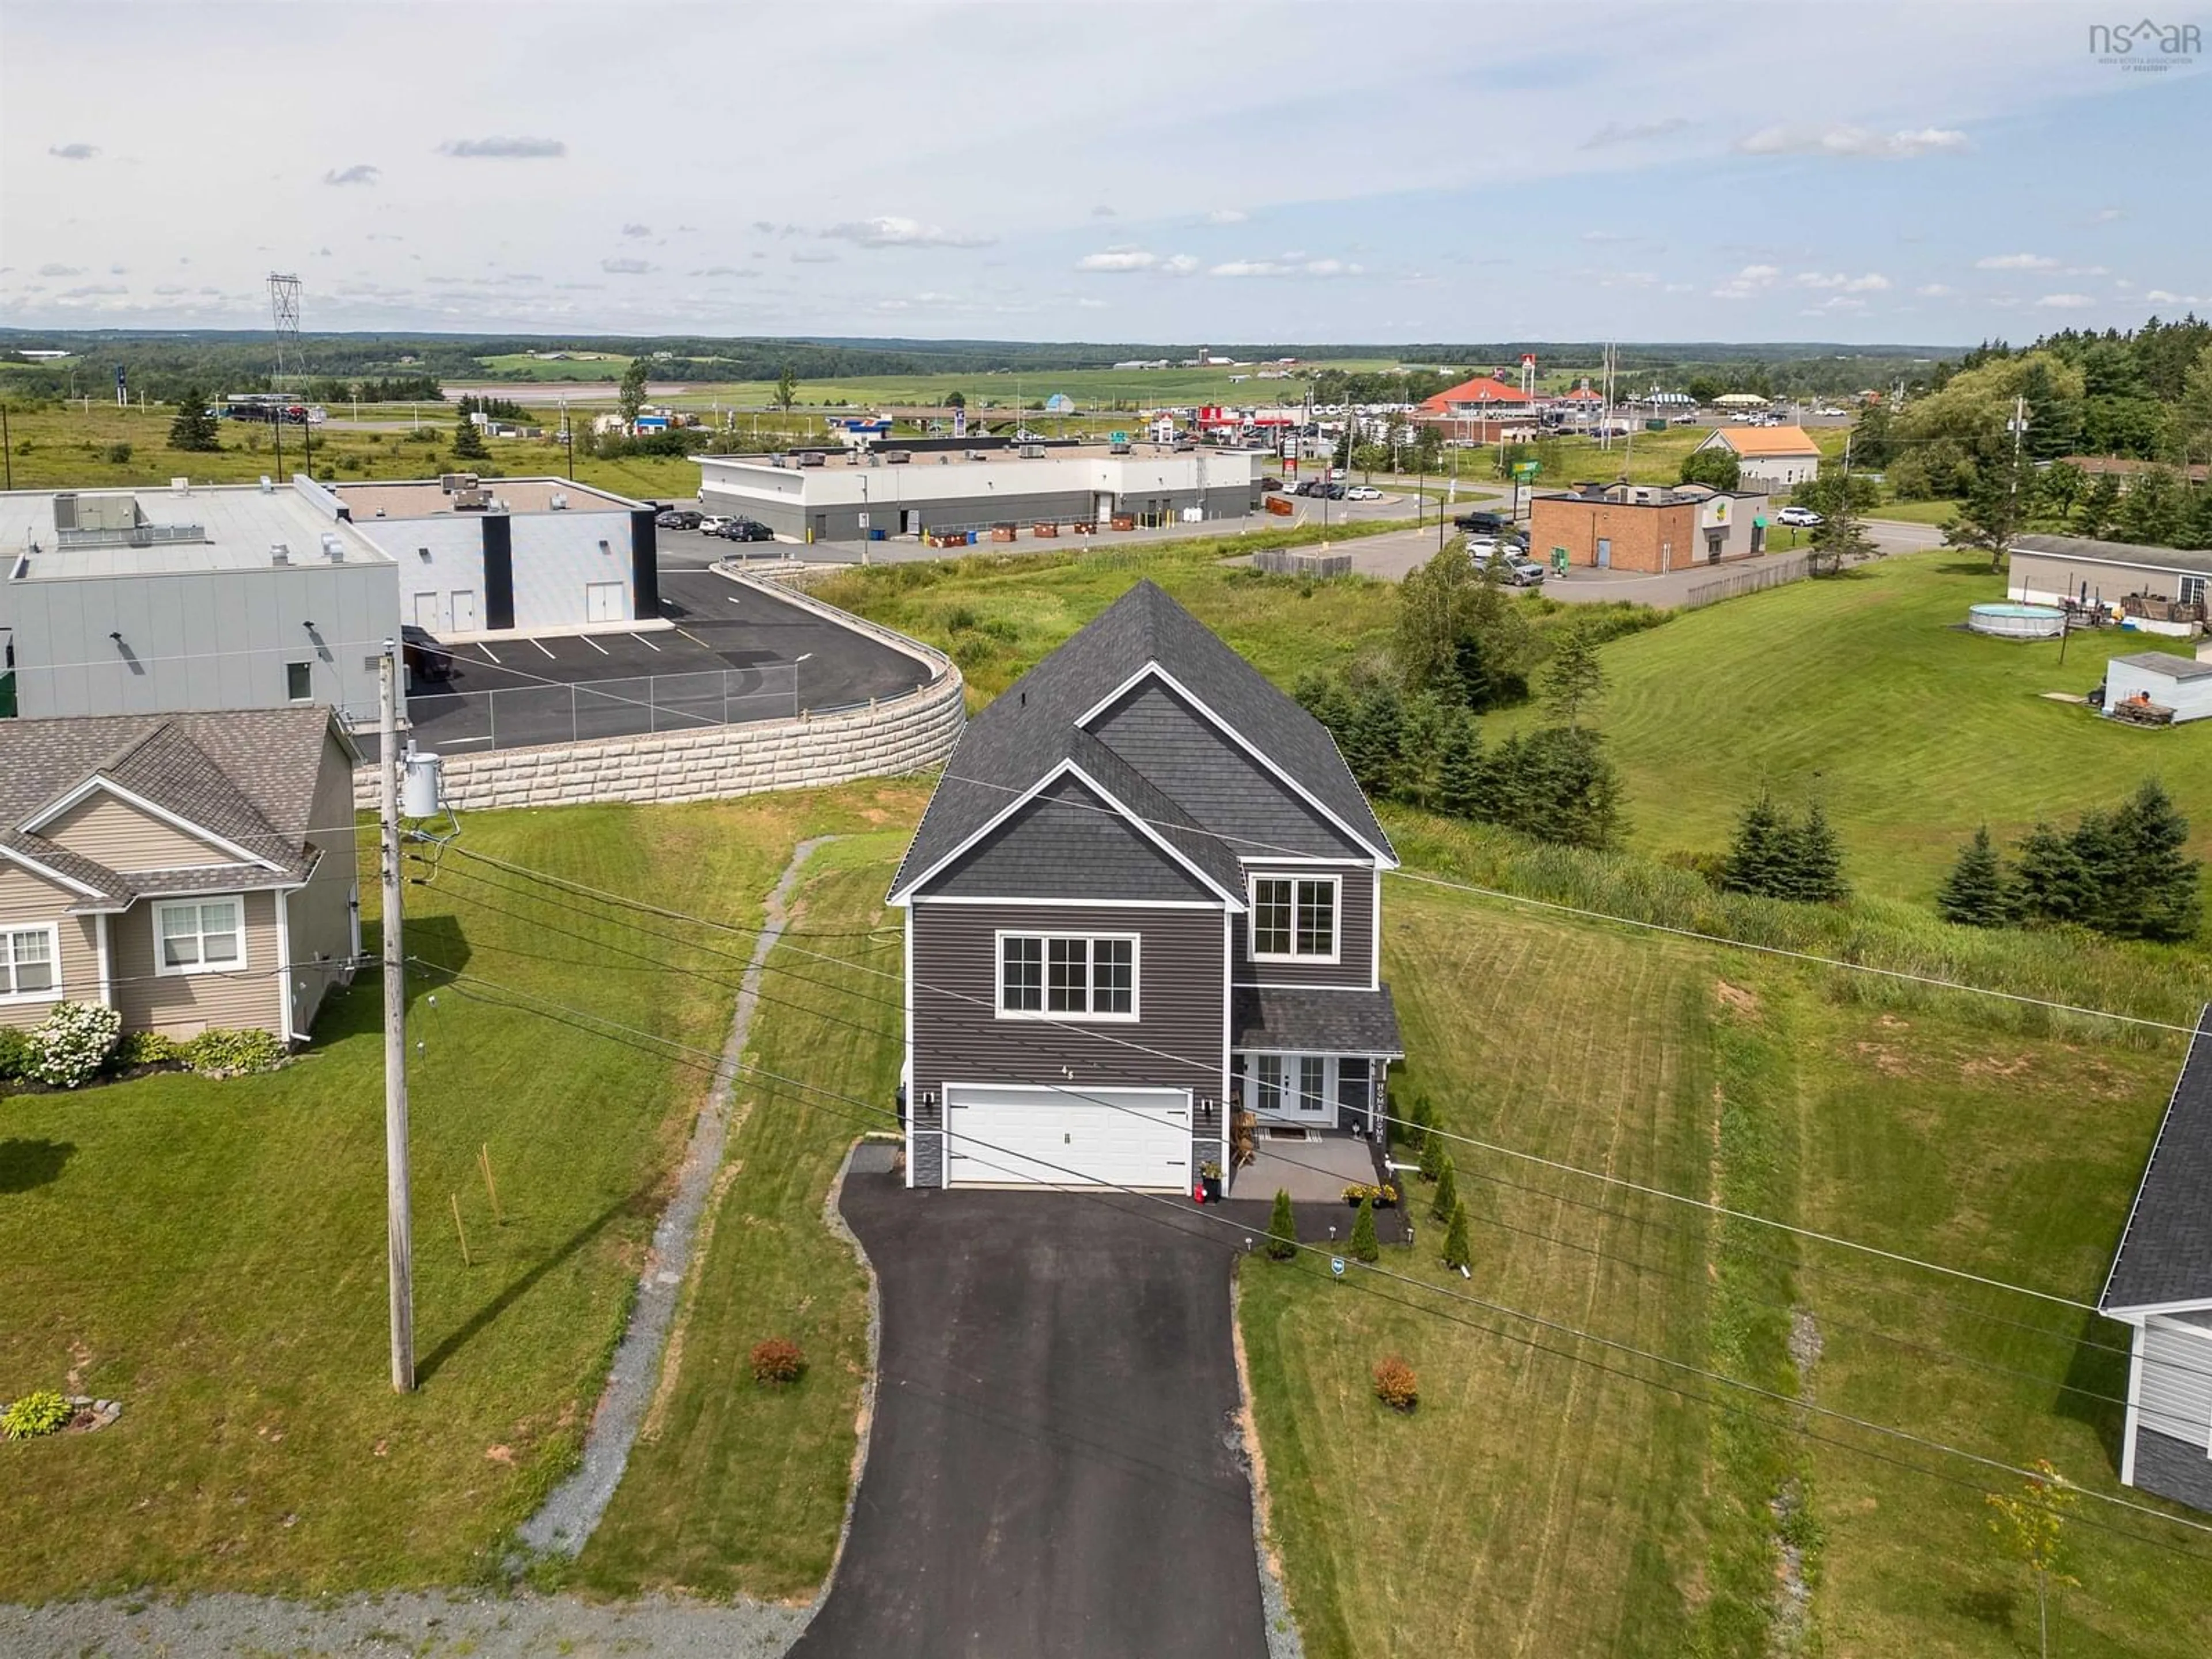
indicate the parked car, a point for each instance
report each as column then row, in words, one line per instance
column 1306, row 487
column 1269, row 484
column 1335, row 492
column 1481, row 523
column 1523, row 571
column 1803, row 517
column 712, row 524
column 426, row 664
column 678, row 518
column 745, row 530
column 1363, row 493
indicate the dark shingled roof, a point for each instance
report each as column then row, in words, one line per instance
column 1332, row 1022
column 2165, row 1253
column 1031, row 728
column 246, row 775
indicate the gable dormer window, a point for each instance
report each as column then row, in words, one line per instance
column 1294, row 918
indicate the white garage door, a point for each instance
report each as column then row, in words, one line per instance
column 1007, row 1137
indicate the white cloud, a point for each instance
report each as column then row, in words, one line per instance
column 634, row 229
column 1748, row 282
column 1935, row 290
column 1179, row 264
column 726, row 270
column 1629, row 279
column 1833, row 304
column 1873, row 282
column 359, row 173
column 2016, row 262
column 2160, row 296
column 73, row 152
column 1632, row 132
column 2087, row 271
column 1227, row 216
column 2065, row 301
column 1289, row 265
column 1119, row 259
column 811, row 256
column 1101, row 211
column 53, row 270
column 1851, row 141
column 625, row 267
column 1092, row 305
column 2107, row 216
column 891, row 231
column 1606, row 236
column 512, row 149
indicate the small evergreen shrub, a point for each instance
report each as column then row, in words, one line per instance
column 1395, row 1385
column 137, row 1048
column 1458, row 1252
column 1364, row 1246
column 220, row 1054
column 1433, row 1157
column 43, row 1412
column 73, row 1043
column 1282, row 1228
column 777, row 1361
column 1446, row 1199
column 16, row 1053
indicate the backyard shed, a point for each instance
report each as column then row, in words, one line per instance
column 2181, row 684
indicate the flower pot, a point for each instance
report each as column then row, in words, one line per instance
column 1212, row 1186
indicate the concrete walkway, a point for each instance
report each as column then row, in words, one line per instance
column 574, row 1507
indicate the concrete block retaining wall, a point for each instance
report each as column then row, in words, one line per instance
column 889, row 738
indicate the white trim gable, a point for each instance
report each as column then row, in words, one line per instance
column 53, row 809
column 1383, row 859
column 906, row 894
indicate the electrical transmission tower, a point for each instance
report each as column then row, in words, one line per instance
column 284, row 310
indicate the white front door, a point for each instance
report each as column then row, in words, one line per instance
column 1291, row 1088
column 603, row 602
column 998, row 1136
column 464, row 610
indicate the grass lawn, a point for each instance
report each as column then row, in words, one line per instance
column 1864, row 689
column 212, row 1254
column 1939, row 513
column 1538, row 1505
column 733, row 1487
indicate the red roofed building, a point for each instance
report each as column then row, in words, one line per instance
column 1476, row 411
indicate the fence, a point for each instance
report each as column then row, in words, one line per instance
column 1770, row 573
column 522, row 716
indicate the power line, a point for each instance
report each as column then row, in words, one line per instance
column 1088, row 1183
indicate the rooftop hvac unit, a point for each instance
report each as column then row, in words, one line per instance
column 181, row 486
column 333, row 549
column 812, row 458
column 896, row 457
column 279, row 554
column 65, row 509
column 451, row 482
column 471, row 498
column 1121, row 448
column 268, row 486
column 560, row 501
column 1032, row 452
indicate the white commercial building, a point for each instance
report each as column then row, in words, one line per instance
column 921, row 489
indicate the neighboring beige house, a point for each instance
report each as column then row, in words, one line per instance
column 1771, row 457
column 188, row 870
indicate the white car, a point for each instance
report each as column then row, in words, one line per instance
column 1804, row 518
column 1363, row 493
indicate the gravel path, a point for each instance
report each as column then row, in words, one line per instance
column 574, row 1507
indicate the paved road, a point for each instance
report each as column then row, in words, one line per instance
column 1054, row 1466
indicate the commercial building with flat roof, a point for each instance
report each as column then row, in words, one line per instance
column 126, row 602
column 890, row 491
column 1647, row 527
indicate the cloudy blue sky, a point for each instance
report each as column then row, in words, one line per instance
column 1121, row 170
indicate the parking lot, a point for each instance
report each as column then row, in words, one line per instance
column 730, row 655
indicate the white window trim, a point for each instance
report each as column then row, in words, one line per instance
column 1252, row 952
column 53, row 932
column 161, row 907
column 1058, row 1016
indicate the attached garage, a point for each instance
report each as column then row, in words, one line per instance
column 1002, row 1136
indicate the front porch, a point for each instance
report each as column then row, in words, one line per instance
column 1314, row 1166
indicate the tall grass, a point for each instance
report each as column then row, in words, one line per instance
column 2168, row 983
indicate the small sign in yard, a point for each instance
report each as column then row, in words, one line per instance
column 1336, row 1266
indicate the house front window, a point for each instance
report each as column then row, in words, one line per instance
column 1294, row 918
column 1067, row 976
column 30, row 968
column 198, row 936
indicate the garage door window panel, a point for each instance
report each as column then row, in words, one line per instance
column 1077, row 976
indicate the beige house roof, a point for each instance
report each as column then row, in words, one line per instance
column 1768, row 442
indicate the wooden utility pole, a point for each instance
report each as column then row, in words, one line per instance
column 399, row 1243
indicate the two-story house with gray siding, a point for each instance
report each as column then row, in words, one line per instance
column 2161, row 1285
column 1147, row 892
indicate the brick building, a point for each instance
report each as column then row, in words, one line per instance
column 1647, row 528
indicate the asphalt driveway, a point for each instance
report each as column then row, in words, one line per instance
column 1054, row 1466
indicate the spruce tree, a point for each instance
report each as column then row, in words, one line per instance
column 1362, row 1247
column 1757, row 858
column 1433, row 1158
column 2047, row 884
column 1372, row 746
column 194, row 429
column 1813, row 872
column 1462, row 780
column 2160, row 899
column 1282, row 1228
column 1974, row 894
column 468, row 441
column 1447, row 1194
column 1458, row 1253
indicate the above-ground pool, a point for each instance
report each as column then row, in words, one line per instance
column 2017, row 622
